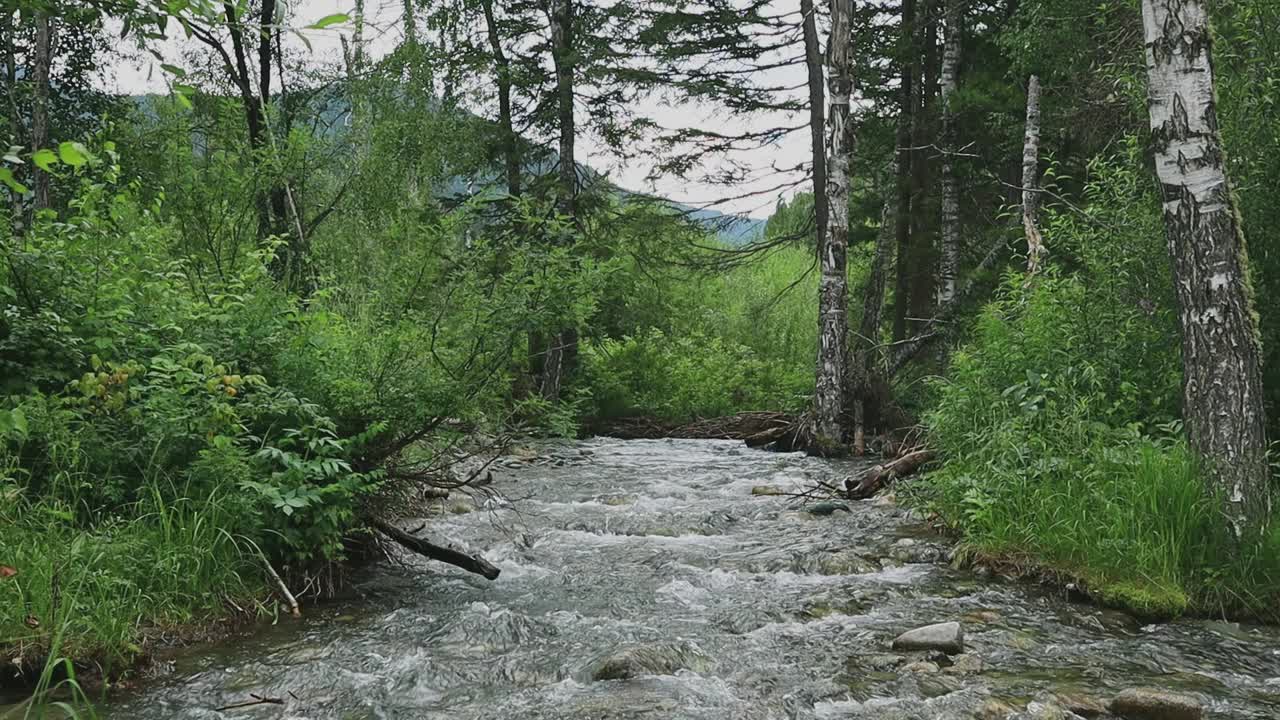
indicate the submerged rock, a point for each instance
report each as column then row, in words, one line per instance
column 827, row 507
column 766, row 490
column 656, row 659
column 947, row 637
column 1153, row 704
column 966, row 664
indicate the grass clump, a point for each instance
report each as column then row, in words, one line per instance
column 100, row 591
column 1057, row 424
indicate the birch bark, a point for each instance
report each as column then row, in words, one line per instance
column 833, row 323
column 1222, row 378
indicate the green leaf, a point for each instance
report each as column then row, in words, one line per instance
column 173, row 70
column 326, row 21
column 44, row 158
column 19, row 420
column 73, row 154
column 305, row 41
column 6, row 177
column 184, row 94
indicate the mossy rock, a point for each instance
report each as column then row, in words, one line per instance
column 1157, row 602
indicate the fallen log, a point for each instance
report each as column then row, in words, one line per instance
column 470, row 563
column 766, row 437
column 872, row 480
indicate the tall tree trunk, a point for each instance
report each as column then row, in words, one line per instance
column 817, row 106
column 949, row 266
column 562, row 345
column 353, row 52
column 410, row 24
column 833, row 322
column 17, row 127
column 1031, row 179
column 924, row 251
column 902, row 219
column 40, row 106
column 1222, row 378
column 510, row 141
column 868, row 336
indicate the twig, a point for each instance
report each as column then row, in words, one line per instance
column 257, row 699
column 284, row 590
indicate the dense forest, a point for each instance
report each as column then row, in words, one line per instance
column 253, row 319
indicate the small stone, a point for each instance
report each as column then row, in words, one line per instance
column 827, row 507
column 947, row 637
column 966, row 664
column 766, row 490
column 885, row 500
column 1154, row 704
column 920, row 666
column 905, row 542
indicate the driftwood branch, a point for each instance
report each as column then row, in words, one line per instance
column 872, row 480
column 470, row 563
column 284, row 589
column 257, row 700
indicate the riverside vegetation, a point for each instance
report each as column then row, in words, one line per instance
column 245, row 318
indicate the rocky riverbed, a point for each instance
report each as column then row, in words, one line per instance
column 668, row 579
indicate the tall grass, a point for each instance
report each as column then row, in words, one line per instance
column 93, row 591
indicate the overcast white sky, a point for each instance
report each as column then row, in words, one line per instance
column 385, row 32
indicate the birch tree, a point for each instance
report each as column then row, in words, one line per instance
column 1222, row 379
column 833, row 290
column 1031, row 178
column 950, row 261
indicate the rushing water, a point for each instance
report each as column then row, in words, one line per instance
column 652, row 561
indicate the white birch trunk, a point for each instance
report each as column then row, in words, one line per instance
column 950, row 261
column 1031, row 179
column 1221, row 357
column 833, row 329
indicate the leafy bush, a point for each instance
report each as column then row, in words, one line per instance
column 149, row 461
column 685, row 377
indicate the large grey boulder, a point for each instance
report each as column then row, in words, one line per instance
column 1153, row 704
column 947, row 637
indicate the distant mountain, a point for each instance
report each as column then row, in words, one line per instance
column 735, row 230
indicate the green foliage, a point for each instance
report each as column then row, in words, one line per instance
column 682, row 378
column 1058, row 422
column 747, row 344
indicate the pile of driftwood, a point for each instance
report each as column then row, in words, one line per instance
column 752, row 427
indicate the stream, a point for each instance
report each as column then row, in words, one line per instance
column 653, row 563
